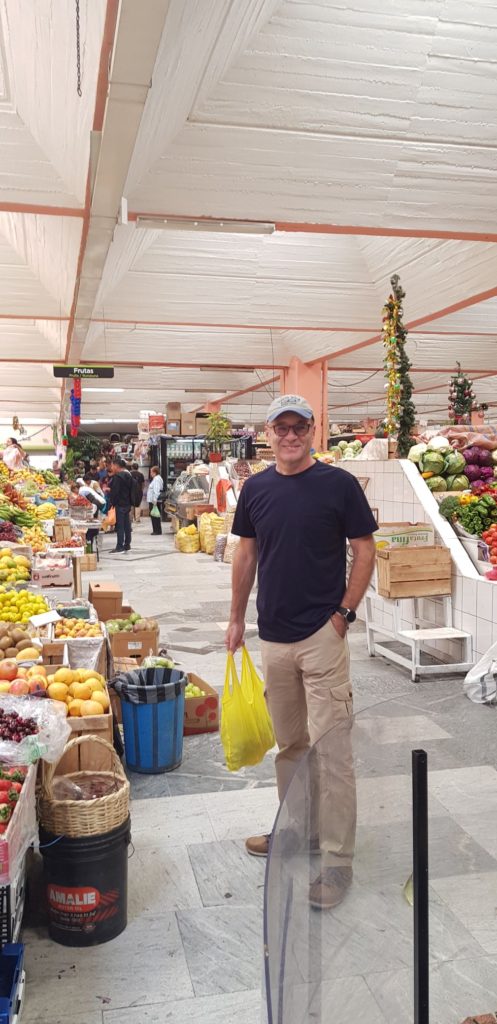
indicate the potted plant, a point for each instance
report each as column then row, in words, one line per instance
column 218, row 431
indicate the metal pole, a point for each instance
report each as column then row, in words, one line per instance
column 420, row 886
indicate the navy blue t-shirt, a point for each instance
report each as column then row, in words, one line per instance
column 301, row 524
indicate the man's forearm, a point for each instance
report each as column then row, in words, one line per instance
column 243, row 576
column 360, row 575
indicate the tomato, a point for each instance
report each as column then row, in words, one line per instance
column 493, row 559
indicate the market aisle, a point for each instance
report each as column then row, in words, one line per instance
column 192, row 951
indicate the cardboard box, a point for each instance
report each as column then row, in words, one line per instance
column 88, row 563
column 45, row 574
column 107, row 599
column 188, row 424
column 414, row 572
column 62, row 530
column 201, row 423
column 402, row 535
column 173, row 427
column 134, row 645
column 173, row 410
column 54, row 655
column 201, row 713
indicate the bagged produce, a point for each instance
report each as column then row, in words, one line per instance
column 246, row 729
column 480, row 684
column 44, row 732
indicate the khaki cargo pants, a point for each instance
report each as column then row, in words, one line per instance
column 309, row 694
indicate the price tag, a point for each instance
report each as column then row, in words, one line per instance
column 45, row 618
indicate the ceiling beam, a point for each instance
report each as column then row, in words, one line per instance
column 303, row 227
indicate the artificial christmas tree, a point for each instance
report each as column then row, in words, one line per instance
column 400, row 409
column 461, row 397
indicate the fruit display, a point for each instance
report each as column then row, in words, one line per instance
column 20, row 605
column 14, row 568
column 78, row 501
column 14, row 728
column 4, row 473
column 193, row 691
column 11, row 783
column 50, row 478
column 9, row 534
column 57, row 492
column 45, row 511
column 36, row 537
column 14, row 496
column 27, row 476
column 156, row 661
column 133, row 624
column 22, row 682
column 13, row 639
column 11, row 513
column 83, row 691
column 75, row 542
column 76, row 629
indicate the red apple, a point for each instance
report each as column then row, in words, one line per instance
column 8, row 669
column 19, row 687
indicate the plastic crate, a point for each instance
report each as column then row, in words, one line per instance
column 12, row 981
column 12, row 899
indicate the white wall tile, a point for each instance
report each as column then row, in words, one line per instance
column 469, row 596
column 484, row 600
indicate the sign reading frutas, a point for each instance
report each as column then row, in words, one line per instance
column 83, row 372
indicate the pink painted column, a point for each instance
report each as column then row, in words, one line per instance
column 312, row 383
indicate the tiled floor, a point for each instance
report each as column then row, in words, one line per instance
column 192, row 952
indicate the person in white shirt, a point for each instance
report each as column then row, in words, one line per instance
column 155, row 487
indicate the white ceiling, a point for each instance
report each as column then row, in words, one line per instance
column 365, row 132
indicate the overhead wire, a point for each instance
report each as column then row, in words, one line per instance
column 354, row 383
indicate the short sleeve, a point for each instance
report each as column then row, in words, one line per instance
column 358, row 517
column 242, row 523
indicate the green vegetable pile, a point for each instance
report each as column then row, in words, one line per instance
column 478, row 516
column 449, row 508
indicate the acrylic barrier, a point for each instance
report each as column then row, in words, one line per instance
column 337, row 952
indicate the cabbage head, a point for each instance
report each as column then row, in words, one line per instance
column 439, row 444
column 432, row 462
column 436, row 483
column 455, row 463
column 457, row 483
column 416, row 451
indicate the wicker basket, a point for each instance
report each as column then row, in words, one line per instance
column 76, row 818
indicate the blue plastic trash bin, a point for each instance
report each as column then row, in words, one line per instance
column 153, row 708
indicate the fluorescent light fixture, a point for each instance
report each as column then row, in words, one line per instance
column 204, row 390
column 107, row 391
column 230, row 227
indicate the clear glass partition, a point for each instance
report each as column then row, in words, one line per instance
column 353, row 961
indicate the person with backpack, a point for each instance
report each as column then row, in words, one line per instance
column 155, row 487
column 121, row 499
column 138, row 484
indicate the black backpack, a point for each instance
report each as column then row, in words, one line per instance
column 136, row 492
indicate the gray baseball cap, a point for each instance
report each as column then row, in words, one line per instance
column 289, row 403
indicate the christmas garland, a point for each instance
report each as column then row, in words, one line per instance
column 461, row 397
column 400, row 410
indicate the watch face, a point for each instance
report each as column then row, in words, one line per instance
column 351, row 616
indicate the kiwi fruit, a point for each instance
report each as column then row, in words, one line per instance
column 10, row 652
column 23, row 644
column 19, row 634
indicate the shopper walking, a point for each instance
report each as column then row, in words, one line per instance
column 120, row 498
column 139, row 483
column 155, row 487
column 293, row 521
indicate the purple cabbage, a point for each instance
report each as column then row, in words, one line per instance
column 477, row 456
column 486, row 472
column 473, row 473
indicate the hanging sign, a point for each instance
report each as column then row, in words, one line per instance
column 83, row 372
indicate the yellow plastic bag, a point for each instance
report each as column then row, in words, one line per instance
column 246, row 730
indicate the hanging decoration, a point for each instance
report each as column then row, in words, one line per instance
column 400, row 410
column 461, row 397
column 75, row 407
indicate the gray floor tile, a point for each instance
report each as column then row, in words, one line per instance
column 226, row 874
column 242, row 1007
column 458, row 990
column 223, row 947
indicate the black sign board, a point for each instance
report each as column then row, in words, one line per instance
column 84, row 372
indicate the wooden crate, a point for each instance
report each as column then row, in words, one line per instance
column 88, row 563
column 414, row 572
column 89, row 756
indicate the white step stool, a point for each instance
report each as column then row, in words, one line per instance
column 415, row 638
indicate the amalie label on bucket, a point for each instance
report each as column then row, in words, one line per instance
column 73, row 900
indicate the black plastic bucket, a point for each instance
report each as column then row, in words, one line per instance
column 86, row 885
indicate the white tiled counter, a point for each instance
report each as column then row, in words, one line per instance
column 396, row 488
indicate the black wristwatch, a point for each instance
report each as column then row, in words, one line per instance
column 347, row 613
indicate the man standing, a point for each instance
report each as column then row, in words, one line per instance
column 293, row 521
column 120, row 498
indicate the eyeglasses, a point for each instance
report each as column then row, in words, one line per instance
column 299, row 429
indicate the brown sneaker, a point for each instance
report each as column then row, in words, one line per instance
column 330, row 888
column 258, row 846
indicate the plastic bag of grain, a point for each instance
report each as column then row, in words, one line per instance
column 220, row 547
column 231, row 544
